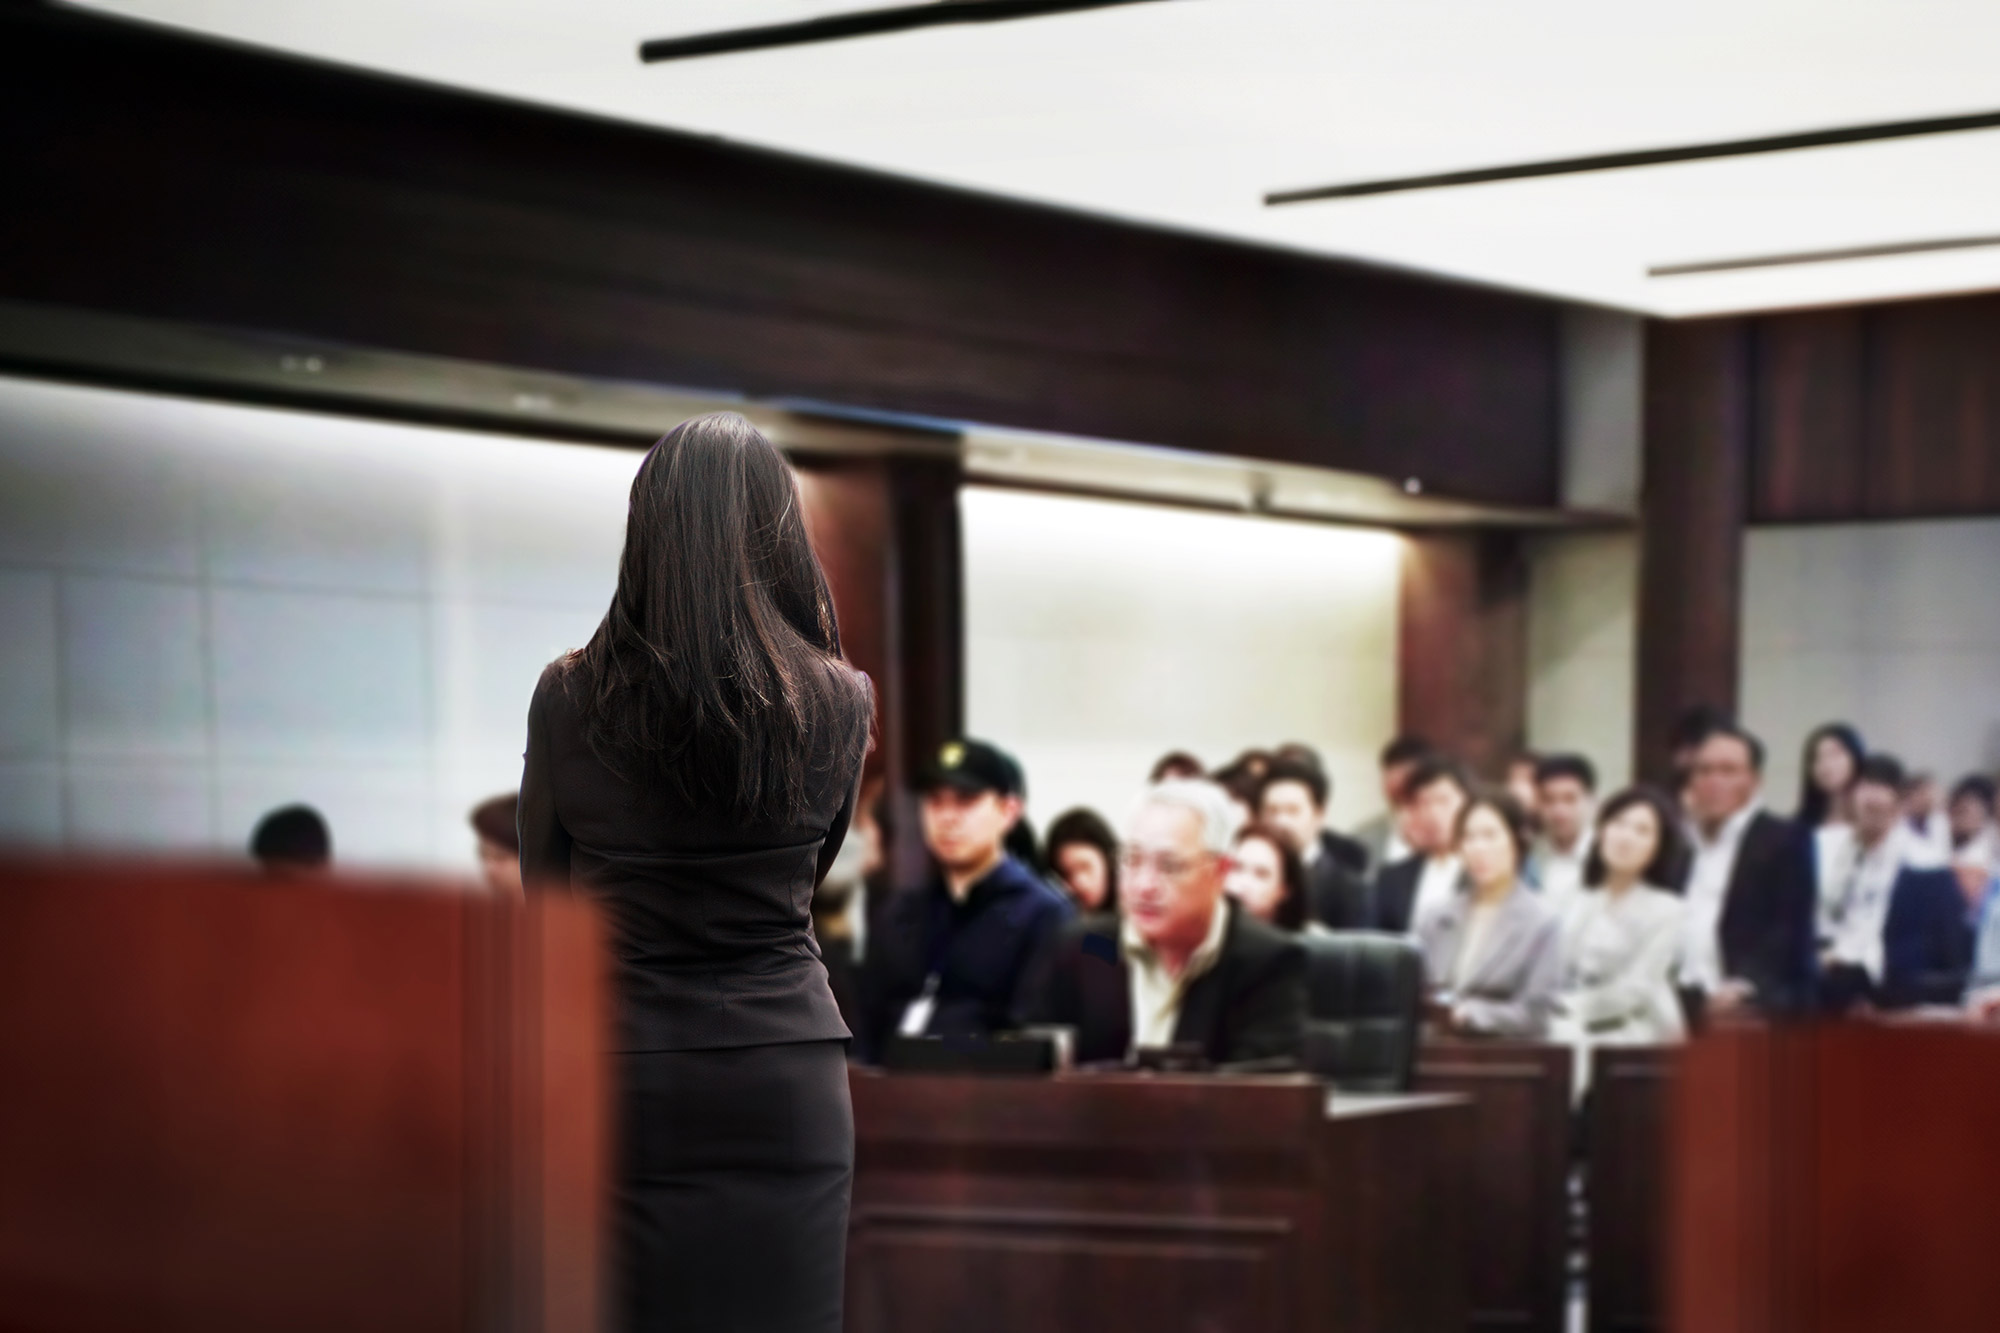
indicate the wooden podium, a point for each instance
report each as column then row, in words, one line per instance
column 229, row 1102
column 1844, row 1179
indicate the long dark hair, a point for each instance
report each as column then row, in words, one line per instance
column 1813, row 803
column 717, row 669
column 1088, row 828
column 1669, row 861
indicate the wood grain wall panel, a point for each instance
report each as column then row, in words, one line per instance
column 1462, row 645
column 1630, row 1138
column 1811, row 415
column 182, row 180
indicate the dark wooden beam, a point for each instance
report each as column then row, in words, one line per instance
column 1462, row 654
column 1698, row 415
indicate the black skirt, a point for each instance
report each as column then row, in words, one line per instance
column 735, row 1168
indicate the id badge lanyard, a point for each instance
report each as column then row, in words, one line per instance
column 917, row 1014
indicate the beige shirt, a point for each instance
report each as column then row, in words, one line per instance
column 1157, row 994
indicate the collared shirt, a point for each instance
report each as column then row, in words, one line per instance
column 1558, row 874
column 1707, row 888
column 1472, row 945
column 1394, row 849
column 1854, row 902
column 1436, row 886
column 1157, row 994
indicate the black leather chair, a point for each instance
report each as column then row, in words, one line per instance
column 1364, row 1009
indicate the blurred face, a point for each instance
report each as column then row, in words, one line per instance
column 500, row 867
column 1487, row 849
column 1968, row 817
column 1832, row 766
column 1257, row 878
column 1169, row 884
column 1084, row 870
column 1876, row 809
column 1521, row 786
column 1289, row 809
column 963, row 830
column 1921, row 800
column 1724, row 780
column 1433, row 815
column 1393, row 778
column 1627, row 844
column 1566, row 807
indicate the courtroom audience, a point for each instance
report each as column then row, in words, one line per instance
column 1690, row 729
column 1268, row 879
column 1982, row 984
column 1566, row 792
column 1974, row 837
column 1832, row 756
column 1422, row 883
column 1241, row 779
column 1176, row 764
column 1183, row 965
column 1083, row 852
column 954, row 954
column 1493, row 951
column 496, row 826
column 1891, row 928
column 1748, row 932
column 1622, row 931
column 1380, row 836
column 292, row 840
column 1925, row 817
column 1292, row 804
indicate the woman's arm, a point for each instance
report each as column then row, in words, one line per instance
column 1526, row 1012
column 1635, row 990
column 545, row 843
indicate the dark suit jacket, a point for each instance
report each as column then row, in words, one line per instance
column 1766, row 931
column 1350, row 853
column 1336, row 894
column 1250, row 1006
column 1395, row 895
column 1926, row 941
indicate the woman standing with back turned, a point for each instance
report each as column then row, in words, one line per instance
column 692, row 769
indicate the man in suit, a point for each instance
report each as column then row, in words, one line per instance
column 1291, row 801
column 1409, row 890
column 1381, row 837
column 1183, row 964
column 1748, row 932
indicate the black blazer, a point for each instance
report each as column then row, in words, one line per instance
column 1350, row 853
column 1926, row 940
column 1250, row 1006
column 1336, row 895
column 710, row 923
column 1766, row 931
column 1395, row 895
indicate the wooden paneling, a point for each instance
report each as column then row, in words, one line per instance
column 1164, row 1204
column 1462, row 645
column 1807, row 455
column 1517, row 1219
column 166, row 177
column 1631, row 1093
column 1836, row 1180
column 1696, row 462
column 235, row 1103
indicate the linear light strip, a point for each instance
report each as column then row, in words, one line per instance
column 1820, row 256
column 862, row 23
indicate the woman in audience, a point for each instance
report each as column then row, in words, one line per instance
column 1622, row 934
column 1267, row 877
column 1832, row 757
column 1083, row 853
column 1493, row 954
column 693, row 769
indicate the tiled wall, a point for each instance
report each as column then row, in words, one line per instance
column 1101, row 635
column 211, row 610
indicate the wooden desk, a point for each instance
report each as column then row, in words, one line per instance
column 1841, row 1179
column 229, row 1103
column 1631, row 1094
column 1517, row 1241
column 1107, row 1202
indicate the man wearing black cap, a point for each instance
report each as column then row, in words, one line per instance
column 952, row 957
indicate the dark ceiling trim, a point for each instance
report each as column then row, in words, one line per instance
column 1648, row 157
column 1821, row 256
column 862, row 23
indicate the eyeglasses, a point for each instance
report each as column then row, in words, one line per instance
column 1165, row 864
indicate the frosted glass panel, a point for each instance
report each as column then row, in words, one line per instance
column 30, row 717
column 135, row 682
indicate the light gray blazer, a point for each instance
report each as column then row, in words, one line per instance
column 1513, row 986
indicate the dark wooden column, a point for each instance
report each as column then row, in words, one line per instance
column 886, row 529
column 1462, row 648
column 1698, row 418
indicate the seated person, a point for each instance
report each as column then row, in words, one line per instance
column 1622, row 934
column 1083, row 854
column 1892, row 928
column 1291, row 802
column 1408, row 891
column 1183, row 963
column 1493, row 952
column 1566, row 794
column 1266, row 877
column 952, row 956
column 1974, row 837
column 292, row 841
column 1982, row 983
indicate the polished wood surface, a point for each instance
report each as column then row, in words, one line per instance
column 1517, row 1236
column 1628, row 1139
column 1837, row 1180
column 192, row 181
column 1696, row 461
column 1152, row 1203
column 243, row 1104
column 1462, row 645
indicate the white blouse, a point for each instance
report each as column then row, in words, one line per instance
column 1619, row 954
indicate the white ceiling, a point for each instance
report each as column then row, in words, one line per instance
column 1184, row 113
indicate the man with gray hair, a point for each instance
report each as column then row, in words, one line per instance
column 1183, row 965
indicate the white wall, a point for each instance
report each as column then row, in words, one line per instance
column 1894, row 627
column 1582, row 600
column 212, row 610
column 1100, row 635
